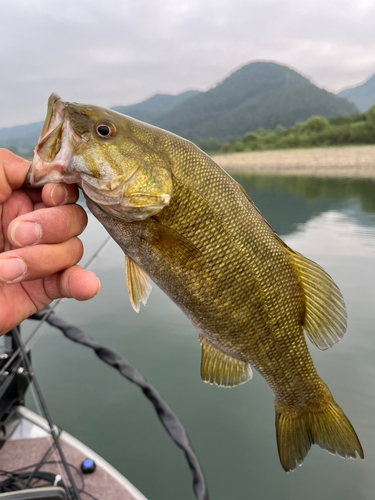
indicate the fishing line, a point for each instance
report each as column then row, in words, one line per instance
column 60, row 302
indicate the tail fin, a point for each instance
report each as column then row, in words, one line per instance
column 330, row 429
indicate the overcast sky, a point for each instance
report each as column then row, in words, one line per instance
column 112, row 52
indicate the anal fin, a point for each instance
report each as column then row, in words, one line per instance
column 138, row 283
column 221, row 369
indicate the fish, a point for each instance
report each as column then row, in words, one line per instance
column 184, row 223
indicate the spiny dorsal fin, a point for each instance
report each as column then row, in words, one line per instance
column 325, row 313
column 139, row 286
column 221, row 369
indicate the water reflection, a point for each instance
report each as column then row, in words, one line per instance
column 316, row 188
column 335, row 233
column 330, row 221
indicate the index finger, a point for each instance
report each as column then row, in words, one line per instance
column 13, row 171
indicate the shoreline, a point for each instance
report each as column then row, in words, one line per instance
column 346, row 161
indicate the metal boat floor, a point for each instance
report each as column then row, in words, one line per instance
column 30, row 440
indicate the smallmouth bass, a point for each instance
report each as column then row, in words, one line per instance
column 185, row 223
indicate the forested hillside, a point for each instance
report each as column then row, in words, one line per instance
column 316, row 131
column 260, row 94
column 154, row 107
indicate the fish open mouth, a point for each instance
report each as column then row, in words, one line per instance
column 68, row 151
column 55, row 149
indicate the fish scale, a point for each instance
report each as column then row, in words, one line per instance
column 232, row 219
column 186, row 224
column 241, row 332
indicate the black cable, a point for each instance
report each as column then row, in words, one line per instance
column 44, row 408
column 88, row 494
column 50, row 477
column 79, row 473
column 169, row 420
column 48, row 462
column 11, row 482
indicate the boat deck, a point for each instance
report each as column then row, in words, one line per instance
column 28, row 444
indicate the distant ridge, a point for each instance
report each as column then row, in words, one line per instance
column 258, row 95
column 150, row 109
column 363, row 95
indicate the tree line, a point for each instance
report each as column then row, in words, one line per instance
column 317, row 131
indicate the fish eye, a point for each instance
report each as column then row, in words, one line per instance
column 105, row 130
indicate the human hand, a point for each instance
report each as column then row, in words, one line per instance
column 38, row 245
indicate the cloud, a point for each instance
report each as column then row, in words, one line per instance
column 120, row 52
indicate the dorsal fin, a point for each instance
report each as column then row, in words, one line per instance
column 325, row 313
column 220, row 368
column 139, row 286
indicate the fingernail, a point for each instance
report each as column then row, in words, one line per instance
column 59, row 194
column 26, row 233
column 12, row 269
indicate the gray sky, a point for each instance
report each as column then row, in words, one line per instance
column 112, row 52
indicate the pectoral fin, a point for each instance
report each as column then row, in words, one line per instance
column 171, row 244
column 221, row 369
column 325, row 314
column 139, row 286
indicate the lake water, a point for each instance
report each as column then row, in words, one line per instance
column 232, row 430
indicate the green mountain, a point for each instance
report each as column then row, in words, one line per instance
column 150, row 109
column 260, row 94
column 363, row 96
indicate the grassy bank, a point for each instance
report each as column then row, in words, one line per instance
column 351, row 161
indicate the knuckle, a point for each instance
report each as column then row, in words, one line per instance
column 76, row 247
column 71, row 220
column 51, row 287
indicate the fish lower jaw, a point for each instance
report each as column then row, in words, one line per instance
column 127, row 208
column 42, row 172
